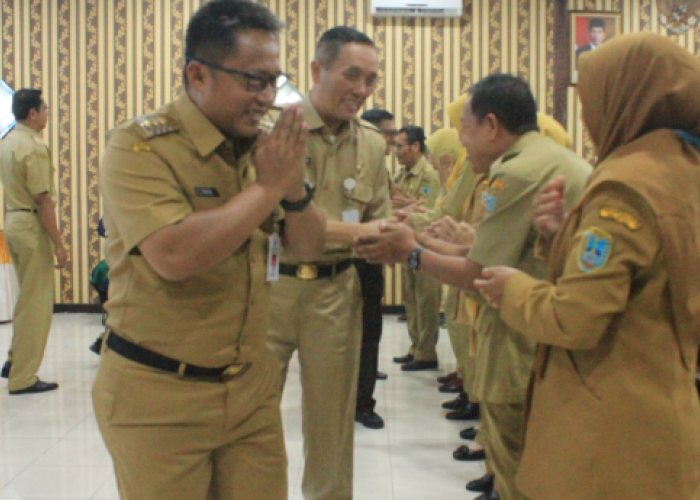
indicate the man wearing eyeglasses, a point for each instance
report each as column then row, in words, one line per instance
column 32, row 237
column 186, row 396
column 317, row 306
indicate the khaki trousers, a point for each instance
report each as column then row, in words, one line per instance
column 421, row 295
column 31, row 251
column 322, row 319
column 459, row 339
column 192, row 439
column 504, row 427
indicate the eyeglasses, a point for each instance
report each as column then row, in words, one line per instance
column 254, row 82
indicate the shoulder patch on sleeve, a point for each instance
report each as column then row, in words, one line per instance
column 594, row 249
column 497, row 184
column 489, row 201
column 155, row 125
column 426, row 189
column 621, row 217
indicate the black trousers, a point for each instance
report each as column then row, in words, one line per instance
column 372, row 284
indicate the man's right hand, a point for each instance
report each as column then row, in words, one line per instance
column 61, row 257
column 548, row 210
column 280, row 157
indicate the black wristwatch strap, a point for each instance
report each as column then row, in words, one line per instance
column 300, row 206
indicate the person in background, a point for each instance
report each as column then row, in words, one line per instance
column 418, row 180
column 372, row 285
column 32, row 237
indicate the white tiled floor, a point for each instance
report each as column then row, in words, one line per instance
column 50, row 447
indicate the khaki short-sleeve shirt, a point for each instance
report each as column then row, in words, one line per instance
column 357, row 153
column 156, row 170
column 420, row 182
column 25, row 168
column 506, row 237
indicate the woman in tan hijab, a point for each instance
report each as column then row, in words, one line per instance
column 613, row 408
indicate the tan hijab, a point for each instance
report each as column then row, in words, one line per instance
column 636, row 90
column 637, row 83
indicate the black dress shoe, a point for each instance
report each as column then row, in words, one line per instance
column 96, row 346
column 447, row 378
column 460, row 402
column 369, row 419
column 483, row 485
column 465, row 454
column 469, row 433
column 382, row 376
column 452, row 387
column 5, row 373
column 402, row 318
column 417, row 365
column 403, row 359
column 38, row 386
column 491, row 495
column 469, row 412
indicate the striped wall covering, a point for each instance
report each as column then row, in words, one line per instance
column 103, row 61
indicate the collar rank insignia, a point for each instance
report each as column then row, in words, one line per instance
column 155, row 125
column 594, row 249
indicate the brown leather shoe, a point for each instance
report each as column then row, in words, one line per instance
column 452, row 387
column 447, row 378
column 456, row 404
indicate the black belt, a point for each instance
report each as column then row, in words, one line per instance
column 144, row 356
column 30, row 210
column 314, row 271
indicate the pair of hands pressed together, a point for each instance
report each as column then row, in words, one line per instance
column 396, row 240
column 281, row 154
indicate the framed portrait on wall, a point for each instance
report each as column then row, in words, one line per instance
column 590, row 29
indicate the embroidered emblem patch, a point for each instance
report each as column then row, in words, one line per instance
column 620, row 216
column 594, row 250
column 426, row 189
column 489, row 201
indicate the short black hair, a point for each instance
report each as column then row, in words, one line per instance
column 24, row 101
column 415, row 134
column 509, row 99
column 376, row 116
column 331, row 43
column 211, row 32
column 596, row 22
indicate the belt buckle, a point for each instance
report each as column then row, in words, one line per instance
column 307, row 272
column 232, row 371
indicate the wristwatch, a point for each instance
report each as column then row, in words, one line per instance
column 414, row 258
column 300, row 206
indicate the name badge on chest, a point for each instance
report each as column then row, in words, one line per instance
column 273, row 253
column 350, row 214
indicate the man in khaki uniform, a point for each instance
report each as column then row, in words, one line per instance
column 418, row 180
column 32, row 238
column 505, row 145
column 317, row 306
column 186, row 395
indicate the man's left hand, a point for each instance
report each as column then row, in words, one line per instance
column 392, row 245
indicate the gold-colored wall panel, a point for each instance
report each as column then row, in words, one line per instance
column 103, row 61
